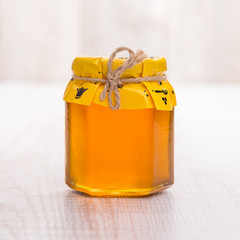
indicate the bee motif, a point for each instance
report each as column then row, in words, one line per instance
column 120, row 86
column 165, row 100
column 80, row 92
column 164, row 91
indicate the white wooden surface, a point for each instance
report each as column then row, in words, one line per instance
column 35, row 203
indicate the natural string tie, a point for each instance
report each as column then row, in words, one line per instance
column 113, row 80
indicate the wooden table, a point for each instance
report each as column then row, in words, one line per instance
column 204, row 203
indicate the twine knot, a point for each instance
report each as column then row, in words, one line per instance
column 114, row 81
column 113, row 77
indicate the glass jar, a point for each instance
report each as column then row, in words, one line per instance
column 124, row 152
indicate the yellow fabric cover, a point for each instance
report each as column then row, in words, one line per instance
column 159, row 95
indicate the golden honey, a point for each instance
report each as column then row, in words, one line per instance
column 123, row 152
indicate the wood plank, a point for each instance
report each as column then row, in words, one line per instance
column 204, row 203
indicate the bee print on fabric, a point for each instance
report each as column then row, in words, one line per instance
column 80, row 92
column 165, row 100
column 120, row 86
column 164, row 91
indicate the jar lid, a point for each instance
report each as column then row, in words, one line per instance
column 149, row 94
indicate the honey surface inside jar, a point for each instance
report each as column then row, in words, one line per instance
column 123, row 152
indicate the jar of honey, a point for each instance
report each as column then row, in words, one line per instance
column 123, row 152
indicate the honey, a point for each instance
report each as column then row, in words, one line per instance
column 123, row 152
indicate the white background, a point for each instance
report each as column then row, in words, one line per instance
column 200, row 39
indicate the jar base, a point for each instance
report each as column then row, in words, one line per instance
column 119, row 193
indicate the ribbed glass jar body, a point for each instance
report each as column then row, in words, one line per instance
column 119, row 153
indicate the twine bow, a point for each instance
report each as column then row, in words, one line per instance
column 113, row 80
